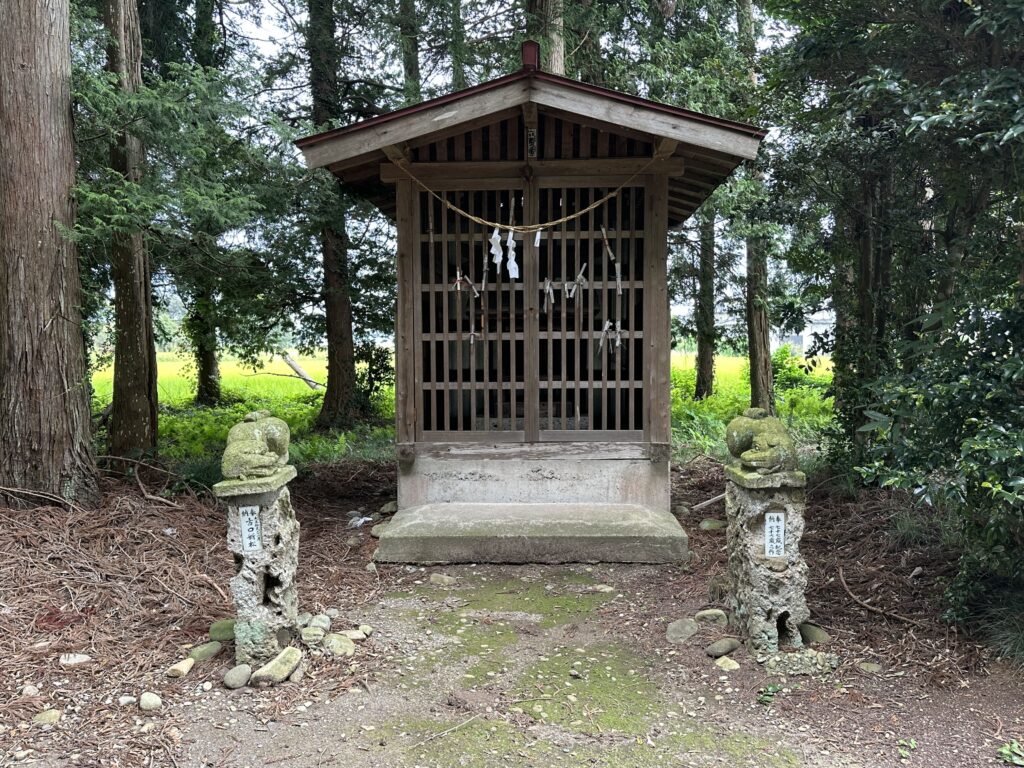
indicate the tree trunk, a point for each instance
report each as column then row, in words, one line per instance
column 409, row 32
column 133, row 417
column 457, row 46
column 762, row 388
column 554, row 21
column 705, row 308
column 545, row 19
column 588, row 61
column 339, row 407
column 203, row 335
column 45, row 441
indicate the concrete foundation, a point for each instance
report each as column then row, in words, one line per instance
column 532, row 533
column 564, row 473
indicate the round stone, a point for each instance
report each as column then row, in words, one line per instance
column 712, row 616
column 150, row 702
column 682, row 630
column 722, row 647
column 237, row 677
column 711, row 524
column 29, row 690
column 338, row 645
column 724, row 662
column 812, row 634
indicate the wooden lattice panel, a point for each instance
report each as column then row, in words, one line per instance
column 516, row 359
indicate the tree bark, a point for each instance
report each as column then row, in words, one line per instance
column 762, row 387
column 457, row 46
column 545, row 19
column 705, row 308
column 554, row 21
column 409, row 32
column 133, row 417
column 202, row 332
column 45, row 441
column 339, row 408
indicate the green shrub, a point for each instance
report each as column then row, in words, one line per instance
column 951, row 432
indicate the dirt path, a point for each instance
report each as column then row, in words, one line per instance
column 507, row 666
column 541, row 665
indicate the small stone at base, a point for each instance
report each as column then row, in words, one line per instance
column 338, row 645
column 870, row 667
column 812, row 634
column 47, row 717
column 722, row 647
column 237, row 677
column 682, row 630
column 724, row 662
column 712, row 616
column 223, row 630
column 312, row 635
column 150, row 702
column 711, row 524
column 182, row 668
column 321, row 620
column 366, row 629
column 206, row 650
column 126, row 700
column 442, row 579
column 279, row 668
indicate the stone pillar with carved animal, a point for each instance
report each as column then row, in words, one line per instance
column 263, row 536
column 764, row 499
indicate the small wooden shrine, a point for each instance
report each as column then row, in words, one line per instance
column 532, row 337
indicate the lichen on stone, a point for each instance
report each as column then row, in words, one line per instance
column 761, row 442
column 256, row 447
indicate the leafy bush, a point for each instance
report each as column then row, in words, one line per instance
column 699, row 425
column 790, row 371
column 951, row 432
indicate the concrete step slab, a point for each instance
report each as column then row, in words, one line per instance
column 532, row 533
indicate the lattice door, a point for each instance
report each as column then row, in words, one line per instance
column 591, row 353
column 480, row 332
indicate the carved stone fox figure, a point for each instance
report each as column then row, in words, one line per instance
column 257, row 447
column 761, row 442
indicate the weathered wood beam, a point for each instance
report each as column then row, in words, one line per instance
column 651, row 121
column 426, row 122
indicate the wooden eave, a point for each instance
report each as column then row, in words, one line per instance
column 707, row 148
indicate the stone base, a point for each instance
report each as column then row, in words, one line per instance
column 532, row 533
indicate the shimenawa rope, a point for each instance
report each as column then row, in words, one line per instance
column 524, row 228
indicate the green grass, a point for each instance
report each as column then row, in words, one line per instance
column 698, row 426
column 192, row 438
column 176, row 379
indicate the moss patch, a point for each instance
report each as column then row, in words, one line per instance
column 560, row 599
column 595, row 689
